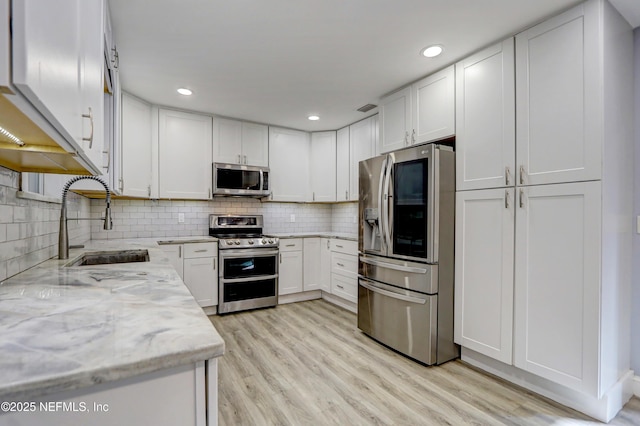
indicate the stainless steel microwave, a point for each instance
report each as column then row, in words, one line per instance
column 240, row 180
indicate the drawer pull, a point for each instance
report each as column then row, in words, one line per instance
column 290, row 245
column 340, row 287
column 340, row 264
column 339, row 246
column 201, row 251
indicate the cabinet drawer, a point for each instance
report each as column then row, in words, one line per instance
column 344, row 264
column 195, row 250
column 344, row 246
column 291, row 244
column 345, row 287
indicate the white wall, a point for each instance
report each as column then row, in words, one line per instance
column 635, row 290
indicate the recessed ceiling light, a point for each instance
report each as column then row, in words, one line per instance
column 432, row 51
column 184, row 91
column 313, row 117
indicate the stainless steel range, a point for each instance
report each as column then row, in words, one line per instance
column 248, row 263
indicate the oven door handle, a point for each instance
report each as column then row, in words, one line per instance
column 247, row 253
column 248, row 279
column 393, row 266
column 405, row 298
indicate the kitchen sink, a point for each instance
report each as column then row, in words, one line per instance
column 110, row 257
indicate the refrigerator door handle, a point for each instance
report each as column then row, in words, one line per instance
column 388, row 219
column 410, row 299
column 381, row 199
column 393, row 266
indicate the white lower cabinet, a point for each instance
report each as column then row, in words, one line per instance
column 325, row 264
column 549, row 238
column 557, row 286
column 290, row 266
column 197, row 265
column 344, row 269
column 312, row 268
column 484, row 272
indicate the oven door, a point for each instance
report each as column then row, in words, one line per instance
column 248, row 279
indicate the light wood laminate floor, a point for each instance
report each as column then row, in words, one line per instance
column 308, row 364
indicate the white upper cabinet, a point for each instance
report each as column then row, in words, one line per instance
column 92, row 79
column 485, row 118
column 240, row 142
column 289, row 164
column 422, row 112
column 184, row 150
column 484, row 271
column 558, row 93
column 361, row 147
column 342, row 165
column 255, row 144
column 557, row 290
column 395, row 120
column 136, row 145
column 433, row 107
column 322, row 166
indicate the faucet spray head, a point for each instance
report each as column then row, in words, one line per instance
column 108, row 223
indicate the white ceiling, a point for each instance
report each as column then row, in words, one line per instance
column 278, row 61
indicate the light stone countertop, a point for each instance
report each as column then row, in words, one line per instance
column 322, row 234
column 66, row 328
column 185, row 240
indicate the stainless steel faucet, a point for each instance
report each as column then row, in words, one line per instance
column 63, row 238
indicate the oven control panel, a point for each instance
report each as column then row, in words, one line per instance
column 248, row 242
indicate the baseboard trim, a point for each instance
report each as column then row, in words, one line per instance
column 636, row 386
column 299, row 297
column 339, row 301
column 603, row 409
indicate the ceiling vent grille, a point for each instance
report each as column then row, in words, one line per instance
column 367, row 107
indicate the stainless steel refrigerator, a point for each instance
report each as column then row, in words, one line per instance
column 406, row 251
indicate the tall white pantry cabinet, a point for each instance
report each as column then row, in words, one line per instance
column 543, row 208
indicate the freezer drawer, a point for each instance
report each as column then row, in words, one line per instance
column 403, row 320
column 421, row 277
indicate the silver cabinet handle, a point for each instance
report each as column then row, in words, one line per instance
column 406, row 137
column 340, row 264
column 340, row 287
column 179, row 252
column 116, row 58
column 121, row 184
column 280, row 257
column 245, row 159
column 90, row 117
column 327, row 244
column 290, row 245
column 239, row 159
column 506, row 199
column 391, row 293
column 201, row 251
column 314, row 196
column 209, row 192
column 339, row 246
column 393, row 266
column 346, row 195
column 214, row 264
column 149, row 191
column 521, row 198
column 413, row 136
column 522, row 175
column 108, row 160
column 507, row 175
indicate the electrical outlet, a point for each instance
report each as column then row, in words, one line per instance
column 292, row 218
column 180, row 217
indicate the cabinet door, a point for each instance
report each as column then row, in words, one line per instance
column 92, row 80
column 290, row 272
column 312, row 264
column 361, row 139
column 185, row 155
column 559, row 126
column 342, row 165
column 201, row 278
column 227, row 141
column 433, row 107
column 46, row 54
column 395, row 120
column 322, row 165
column 557, row 283
column 135, row 157
column 484, row 272
column 174, row 253
column 485, row 119
column 289, row 164
column 255, row 144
